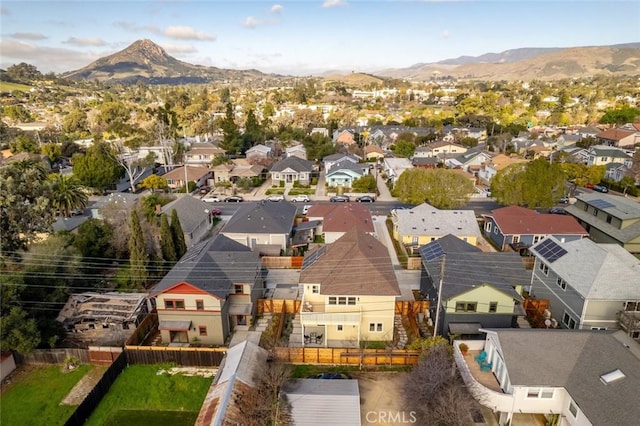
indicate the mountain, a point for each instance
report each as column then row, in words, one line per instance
column 531, row 63
column 145, row 61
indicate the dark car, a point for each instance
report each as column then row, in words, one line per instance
column 557, row 210
column 234, row 199
column 339, row 199
column 216, row 212
column 600, row 188
column 330, row 376
column 365, row 199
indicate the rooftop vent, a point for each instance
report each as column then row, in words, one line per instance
column 613, row 376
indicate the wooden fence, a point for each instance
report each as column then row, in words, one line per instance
column 275, row 306
column 414, row 263
column 282, row 262
column 96, row 355
column 535, row 311
column 186, row 357
column 412, row 307
column 344, row 356
column 147, row 328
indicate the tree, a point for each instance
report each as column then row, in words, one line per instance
column 366, row 183
column 133, row 166
column 154, row 182
column 178, row 235
column 23, row 143
column 167, row 244
column 67, row 194
column 25, row 207
column 444, row 189
column 404, row 148
column 23, row 72
column 537, row 184
column 231, row 138
column 253, row 132
column 97, row 168
column 620, row 116
column 138, row 257
column 75, row 121
column 93, row 240
column 18, row 332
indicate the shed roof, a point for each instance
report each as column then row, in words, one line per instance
column 323, row 402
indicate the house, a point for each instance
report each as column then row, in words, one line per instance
column 602, row 155
column 561, row 377
column 394, row 167
column 259, row 153
column 617, row 137
column 337, row 219
column 494, row 165
column 210, row 292
column 199, row 175
column 473, row 158
column 437, row 148
column 344, row 137
column 616, row 172
column 339, row 310
column 424, row 223
column 264, row 227
column 320, row 131
column 517, row 228
column 196, row 217
column 344, row 173
column 103, row 319
column 323, row 402
column 426, row 162
column 297, row 150
column 237, row 170
column 292, row 169
column 69, row 224
column 116, row 204
column 201, row 155
column 332, row 159
column 566, row 140
column 587, row 284
column 474, row 289
column 373, row 153
column 238, row 375
column 609, row 219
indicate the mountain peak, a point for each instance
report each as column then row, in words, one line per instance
column 145, row 51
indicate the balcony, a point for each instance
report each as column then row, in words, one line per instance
column 333, row 318
column 482, row 385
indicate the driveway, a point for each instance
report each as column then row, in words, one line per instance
column 381, row 398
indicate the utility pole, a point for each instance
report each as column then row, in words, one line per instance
column 186, row 180
column 437, row 321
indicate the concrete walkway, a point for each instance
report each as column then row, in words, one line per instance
column 385, row 194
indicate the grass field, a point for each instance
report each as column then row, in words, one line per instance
column 5, row 86
column 142, row 397
column 34, row 396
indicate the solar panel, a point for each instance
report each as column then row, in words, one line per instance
column 431, row 251
column 550, row 250
column 312, row 257
column 601, row 204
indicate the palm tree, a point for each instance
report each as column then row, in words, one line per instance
column 67, row 194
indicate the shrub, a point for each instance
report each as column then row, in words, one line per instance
column 314, row 181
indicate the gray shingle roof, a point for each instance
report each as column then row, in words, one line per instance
column 428, row 220
column 295, row 163
column 264, row 217
column 575, row 360
column 191, row 211
column 347, row 165
column 214, row 266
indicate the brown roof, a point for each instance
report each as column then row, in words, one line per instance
column 373, row 148
column 355, row 264
column 516, row 220
column 193, row 173
column 614, row 134
column 342, row 217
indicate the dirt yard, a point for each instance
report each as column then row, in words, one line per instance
column 381, row 399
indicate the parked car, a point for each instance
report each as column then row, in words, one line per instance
column 204, row 189
column 564, row 200
column 339, row 199
column 365, row 199
column 234, row 199
column 302, row 198
column 275, row 197
column 216, row 212
column 600, row 188
column 211, row 199
column 330, row 376
column 589, row 185
column 305, row 209
column 557, row 210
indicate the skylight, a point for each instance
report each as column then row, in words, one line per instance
column 613, row 376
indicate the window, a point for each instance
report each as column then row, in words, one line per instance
column 546, row 393
column 339, row 327
column 202, row 330
column 586, row 207
column 238, row 289
column 375, row 327
column 595, row 212
column 572, row 323
column 515, row 239
column 487, row 227
column 200, row 305
column 493, row 307
column 495, row 230
column 342, row 300
column 632, row 306
column 565, row 319
column 544, row 268
column 414, row 240
column 598, row 328
column 173, row 304
column 573, row 409
column 609, row 218
column 533, row 392
column 536, row 238
column 333, row 300
column 351, row 301
column 315, row 289
column 465, row 307
column 562, row 283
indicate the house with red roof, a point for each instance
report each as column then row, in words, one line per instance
column 335, row 220
column 617, row 137
column 518, row 228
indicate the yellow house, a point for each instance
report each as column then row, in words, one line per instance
column 425, row 223
column 349, row 292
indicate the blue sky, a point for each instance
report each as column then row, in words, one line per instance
column 304, row 36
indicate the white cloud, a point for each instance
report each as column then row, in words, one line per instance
column 186, row 33
column 3, row 11
column 446, row 34
column 276, row 8
column 28, row 36
column 334, row 3
column 82, row 42
column 179, row 48
column 250, row 22
column 46, row 59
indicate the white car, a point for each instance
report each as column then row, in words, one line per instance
column 275, row 197
column 305, row 209
column 300, row 199
column 211, row 199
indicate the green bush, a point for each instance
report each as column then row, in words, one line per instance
column 314, row 181
column 281, row 184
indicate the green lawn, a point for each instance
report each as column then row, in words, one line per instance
column 140, row 389
column 5, row 86
column 34, row 396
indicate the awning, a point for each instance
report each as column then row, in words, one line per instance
column 174, row 325
column 239, row 308
column 465, row 327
